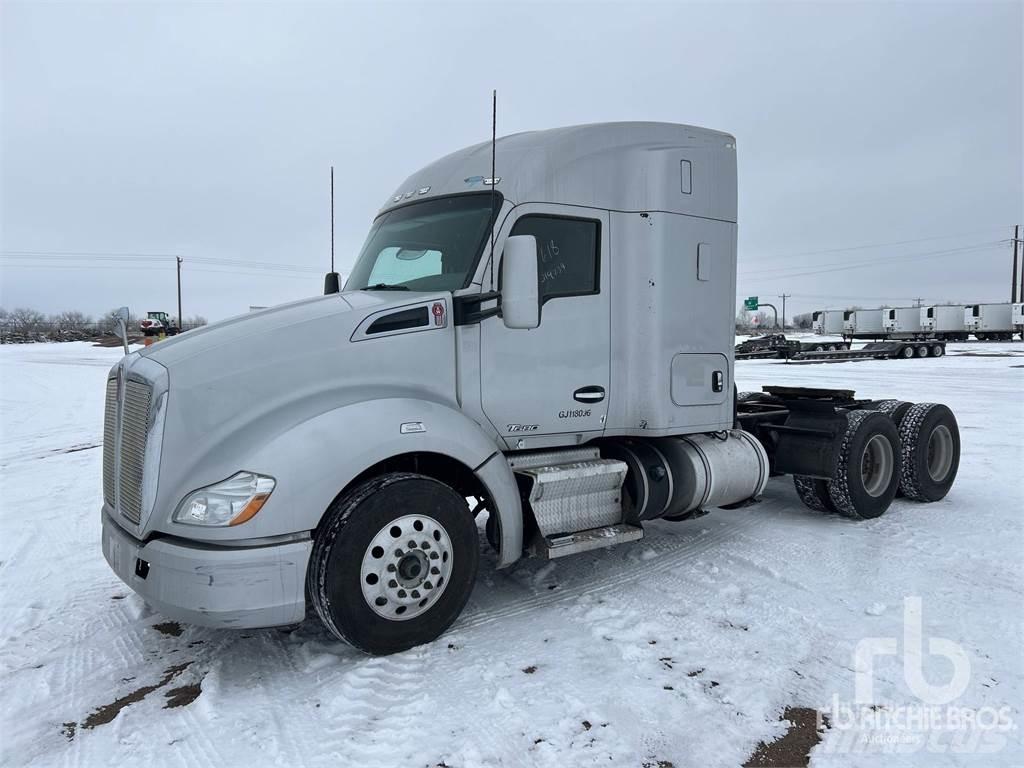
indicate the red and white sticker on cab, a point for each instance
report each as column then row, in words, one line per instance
column 438, row 312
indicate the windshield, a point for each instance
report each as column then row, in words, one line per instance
column 428, row 246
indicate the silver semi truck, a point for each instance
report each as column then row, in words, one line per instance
column 549, row 349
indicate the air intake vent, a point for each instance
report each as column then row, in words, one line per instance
column 134, row 430
column 110, row 442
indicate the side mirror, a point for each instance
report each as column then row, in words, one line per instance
column 520, row 302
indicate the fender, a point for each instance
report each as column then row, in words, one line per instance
column 315, row 459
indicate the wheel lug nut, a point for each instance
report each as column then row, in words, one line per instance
column 392, row 583
column 416, row 594
column 425, row 545
column 391, row 568
column 399, row 553
column 427, row 585
column 401, row 593
column 434, row 555
column 435, row 570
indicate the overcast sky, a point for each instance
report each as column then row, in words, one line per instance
column 207, row 130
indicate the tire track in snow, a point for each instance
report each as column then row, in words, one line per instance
column 611, row 574
column 377, row 706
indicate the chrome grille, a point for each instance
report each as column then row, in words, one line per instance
column 134, row 430
column 109, row 442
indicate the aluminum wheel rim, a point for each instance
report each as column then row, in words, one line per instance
column 940, row 453
column 406, row 567
column 876, row 466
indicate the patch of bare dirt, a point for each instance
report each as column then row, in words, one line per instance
column 177, row 697
column 793, row 748
column 170, row 628
column 183, row 695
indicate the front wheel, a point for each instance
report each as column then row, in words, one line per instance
column 393, row 563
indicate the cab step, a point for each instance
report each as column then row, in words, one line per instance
column 581, row 494
column 561, row 545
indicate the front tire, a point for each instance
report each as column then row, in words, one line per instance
column 393, row 563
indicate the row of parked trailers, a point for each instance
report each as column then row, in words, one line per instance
column 944, row 322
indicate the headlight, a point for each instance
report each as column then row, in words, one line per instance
column 230, row 502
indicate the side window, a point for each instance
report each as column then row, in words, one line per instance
column 568, row 258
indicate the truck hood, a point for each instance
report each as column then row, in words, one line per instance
column 236, row 385
column 339, row 309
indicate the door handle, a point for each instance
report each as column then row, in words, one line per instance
column 592, row 394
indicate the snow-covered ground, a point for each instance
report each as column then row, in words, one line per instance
column 682, row 649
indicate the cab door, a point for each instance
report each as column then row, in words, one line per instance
column 551, row 382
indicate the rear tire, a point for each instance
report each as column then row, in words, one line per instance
column 867, row 473
column 393, row 562
column 813, row 492
column 938, row 350
column 907, row 352
column 921, row 351
column 931, row 452
column 894, row 409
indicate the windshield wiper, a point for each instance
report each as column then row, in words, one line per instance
column 384, row 287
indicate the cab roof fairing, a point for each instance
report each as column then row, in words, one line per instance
column 629, row 166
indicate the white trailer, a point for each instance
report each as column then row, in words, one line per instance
column 989, row 322
column 828, row 322
column 863, row 323
column 1017, row 318
column 944, row 321
column 902, row 322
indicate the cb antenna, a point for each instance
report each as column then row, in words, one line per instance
column 332, row 281
column 494, row 179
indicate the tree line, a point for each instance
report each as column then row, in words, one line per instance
column 24, row 324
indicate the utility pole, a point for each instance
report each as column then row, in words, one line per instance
column 1013, row 283
column 784, row 296
column 181, row 320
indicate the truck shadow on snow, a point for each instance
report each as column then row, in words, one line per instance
column 176, row 658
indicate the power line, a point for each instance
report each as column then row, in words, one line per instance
column 136, row 257
column 871, row 262
column 881, row 245
column 169, row 268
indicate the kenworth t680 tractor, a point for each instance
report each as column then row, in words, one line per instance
column 550, row 347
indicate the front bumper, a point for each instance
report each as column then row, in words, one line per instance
column 212, row 586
